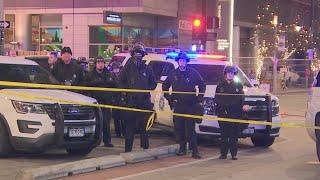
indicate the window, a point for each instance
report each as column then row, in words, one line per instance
column 105, row 34
column 26, row 74
column 104, row 40
column 9, row 32
column 35, row 36
column 167, row 38
column 135, row 34
column 161, row 68
column 51, row 35
column 106, row 51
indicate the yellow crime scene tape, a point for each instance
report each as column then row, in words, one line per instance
column 87, row 88
column 151, row 119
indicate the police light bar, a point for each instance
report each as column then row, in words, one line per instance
column 161, row 50
column 173, row 55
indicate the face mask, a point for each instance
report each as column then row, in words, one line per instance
column 138, row 59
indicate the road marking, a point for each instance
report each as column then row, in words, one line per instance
column 314, row 162
column 191, row 163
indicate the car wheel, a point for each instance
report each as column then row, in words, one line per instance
column 262, row 141
column 79, row 152
column 5, row 145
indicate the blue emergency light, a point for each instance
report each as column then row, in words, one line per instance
column 173, row 55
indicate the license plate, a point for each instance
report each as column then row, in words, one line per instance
column 76, row 132
column 248, row 131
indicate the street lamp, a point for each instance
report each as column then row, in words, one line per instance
column 275, row 59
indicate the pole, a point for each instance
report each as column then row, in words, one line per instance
column 1, row 30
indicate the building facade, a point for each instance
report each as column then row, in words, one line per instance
column 83, row 25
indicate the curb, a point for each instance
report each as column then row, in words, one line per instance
column 71, row 168
column 94, row 164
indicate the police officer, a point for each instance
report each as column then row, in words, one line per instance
column 100, row 77
column 230, row 106
column 137, row 75
column 52, row 59
column 118, row 100
column 67, row 71
column 184, row 79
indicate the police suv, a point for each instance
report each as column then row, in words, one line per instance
column 263, row 106
column 313, row 114
column 28, row 123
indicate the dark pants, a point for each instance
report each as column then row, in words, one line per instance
column 106, row 113
column 136, row 121
column 185, row 128
column 229, row 138
column 118, row 122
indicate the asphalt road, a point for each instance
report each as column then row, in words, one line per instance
column 291, row 157
column 9, row 167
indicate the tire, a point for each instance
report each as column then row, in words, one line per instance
column 262, row 141
column 5, row 145
column 79, row 152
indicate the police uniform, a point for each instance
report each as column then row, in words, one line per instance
column 71, row 74
column 137, row 75
column 229, row 106
column 185, row 81
column 117, row 114
column 102, row 79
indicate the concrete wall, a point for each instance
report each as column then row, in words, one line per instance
column 158, row 7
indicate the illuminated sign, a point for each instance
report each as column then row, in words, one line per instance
column 111, row 18
column 223, row 44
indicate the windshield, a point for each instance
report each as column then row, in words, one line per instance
column 213, row 74
column 26, row 74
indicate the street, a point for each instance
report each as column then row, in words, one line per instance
column 291, row 157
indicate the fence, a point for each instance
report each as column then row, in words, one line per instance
column 291, row 74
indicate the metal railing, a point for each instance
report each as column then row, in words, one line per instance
column 291, row 74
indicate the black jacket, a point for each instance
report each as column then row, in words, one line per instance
column 68, row 72
column 229, row 105
column 103, row 79
column 135, row 76
column 184, row 81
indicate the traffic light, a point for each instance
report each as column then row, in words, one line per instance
column 198, row 29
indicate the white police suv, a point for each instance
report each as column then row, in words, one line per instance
column 34, row 125
column 263, row 106
column 313, row 114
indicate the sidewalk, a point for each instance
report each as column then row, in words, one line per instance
column 291, row 91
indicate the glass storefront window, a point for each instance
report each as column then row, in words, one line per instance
column 35, row 25
column 167, row 38
column 51, row 47
column 135, row 34
column 9, row 32
column 105, row 34
column 51, row 35
column 106, row 51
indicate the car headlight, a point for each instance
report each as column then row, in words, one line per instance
column 25, row 107
column 275, row 108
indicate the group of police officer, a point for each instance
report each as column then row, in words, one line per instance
column 137, row 75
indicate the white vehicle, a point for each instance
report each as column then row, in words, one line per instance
column 34, row 125
column 264, row 107
column 313, row 115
